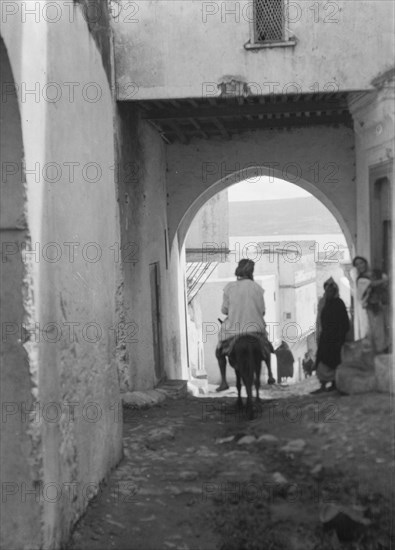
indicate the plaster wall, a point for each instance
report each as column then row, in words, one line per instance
column 296, row 262
column 306, row 300
column 144, row 241
column 16, row 384
column 178, row 259
column 301, row 303
column 69, row 291
column 167, row 49
column 195, row 344
column 374, row 122
column 297, row 269
column 319, row 159
column 299, row 311
column 210, row 224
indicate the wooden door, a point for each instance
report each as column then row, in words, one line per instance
column 380, row 182
column 156, row 319
column 381, row 224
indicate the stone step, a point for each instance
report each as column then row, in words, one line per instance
column 198, row 386
column 358, row 353
column 351, row 379
column 384, row 370
column 173, row 389
column 169, row 389
column 354, row 378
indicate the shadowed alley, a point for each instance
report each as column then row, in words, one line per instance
column 197, row 475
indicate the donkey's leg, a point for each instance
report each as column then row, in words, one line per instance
column 269, row 368
column 258, row 368
column 238, row 386
column 248, row 379
column 250, row 408
column 222, row 368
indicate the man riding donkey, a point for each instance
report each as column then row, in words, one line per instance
column 244, row 305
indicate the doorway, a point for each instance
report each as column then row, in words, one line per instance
column 380, row 217
column 154, row 275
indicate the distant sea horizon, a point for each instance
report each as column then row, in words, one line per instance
column 327, row 244
column 302, row 217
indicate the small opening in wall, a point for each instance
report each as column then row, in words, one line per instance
column 268, row 21
column 166, row 249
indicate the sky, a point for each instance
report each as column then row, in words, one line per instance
column 265, row 189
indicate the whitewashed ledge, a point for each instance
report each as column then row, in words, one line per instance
column 357, row 377
column 384, row 371
column 171, row 389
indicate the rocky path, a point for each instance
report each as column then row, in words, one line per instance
column 197, row 475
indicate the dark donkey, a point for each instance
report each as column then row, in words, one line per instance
column 246, row 358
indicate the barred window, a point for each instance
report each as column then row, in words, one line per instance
column 268, row 21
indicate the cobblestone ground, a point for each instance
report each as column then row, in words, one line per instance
column 197, row 475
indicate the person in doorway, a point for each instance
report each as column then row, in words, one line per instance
column 244, row 305
column 285, row 362
column 333, row 325
column 373, row 304
column 308, row 364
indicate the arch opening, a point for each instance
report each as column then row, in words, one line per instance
column 21, row 519
column 292, row 290
column 251, row 173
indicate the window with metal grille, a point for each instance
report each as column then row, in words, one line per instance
column 269, row 21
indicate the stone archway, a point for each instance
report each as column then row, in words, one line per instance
column 21, row 516
column 254, row 172
column 319, row 159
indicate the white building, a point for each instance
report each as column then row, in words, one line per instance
column 119, row 121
